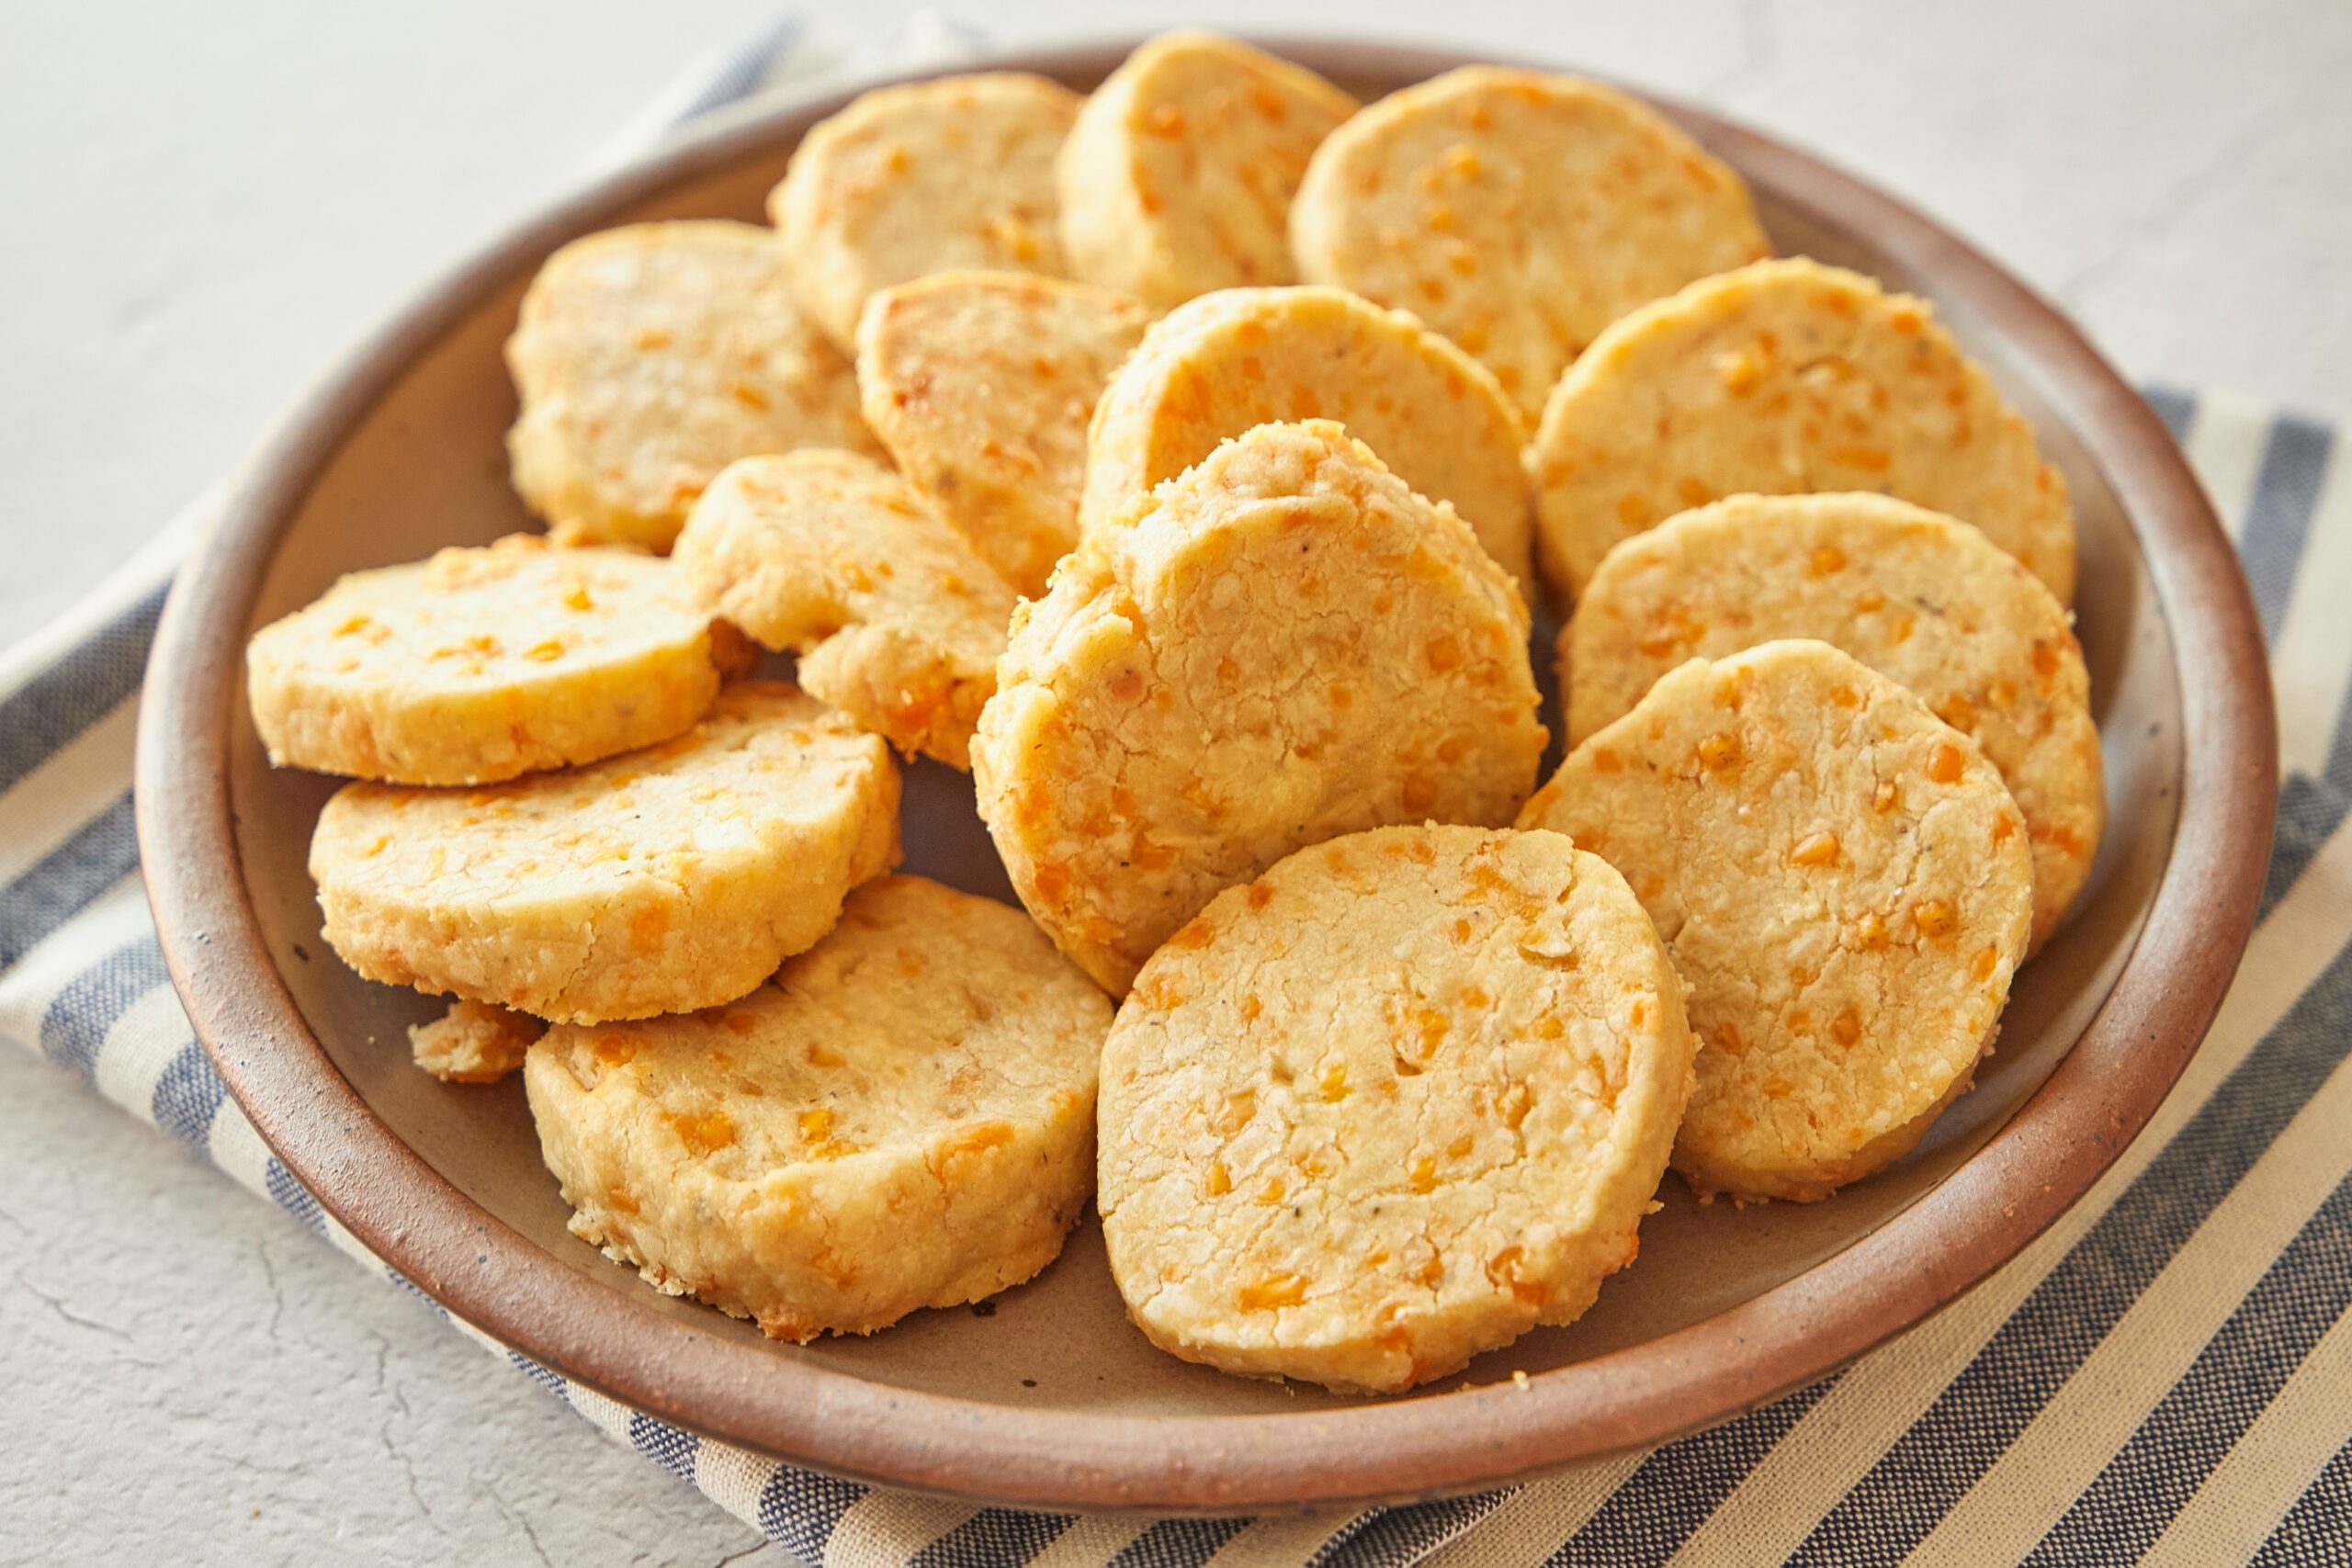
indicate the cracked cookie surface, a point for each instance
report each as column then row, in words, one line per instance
column 1921, row 598
column 1398, row 1101
column 478, row 665
column 981, row 384
column 1783, row 377
column 660, row 880
column 902, row 1117
column 1842, row 880
column 1280, row 646
column 897, row 619
column 1230, row 361
column 1177, row 175
column 649, row 357
column 1519, row 213
column 924, row 177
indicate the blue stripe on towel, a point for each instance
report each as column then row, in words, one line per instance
column 674, row 1448
column 1647, row 1520
column 2030, row 1356
column 2278, row 519
column 65, row 881
column 993, row 1538
column 73, row 694
column 2177, row 408
column 800, row 1508
column 1178, row 1543
column 2241, row 1370
column 76, row 1024
column 188, row 1096
column 2314, row 1530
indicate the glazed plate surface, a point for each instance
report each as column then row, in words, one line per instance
column 1051, row 1398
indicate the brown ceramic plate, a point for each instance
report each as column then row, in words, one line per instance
column 1054, row 1400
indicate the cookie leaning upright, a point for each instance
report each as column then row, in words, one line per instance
column 649, row 357
column 1178, row 176
column 1230, row 361
column 1398, row 1101
column 1517, row 213
column 1279, row 646
column 928, row 176
column 657, row 881
column 901, row 1118
column 981, row 385
column 1919, row 597
column 897, row 620
column 478, row 665
column 1842, row 880
column 1783, row 377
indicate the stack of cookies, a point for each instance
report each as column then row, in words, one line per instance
column 1183, row 462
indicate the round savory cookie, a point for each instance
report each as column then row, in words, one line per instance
column 647, row 359
column 1517, row 213
column 1918, row 597
column 480, row 665
column 1783, row 377
column 897, row 621
column 901, row 1118
column 1178, row 176
column 1280, row 646
column 981, row 385
column 1842, row 881
column 658, row 881
column 927, row 177
column 1398, row 1101
column 1230, row 361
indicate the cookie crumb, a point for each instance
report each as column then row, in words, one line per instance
column 473, row 1043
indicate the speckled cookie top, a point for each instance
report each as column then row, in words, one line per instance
column 898, row 620
column 918, row 178
column 1281, row 645
column 1397, row 1101
column 1918, row 597
column 480, row 664
column 766, row 757
column 982, row 384
column 925, row 1009
column 1783, row 377
column 649, row 357
column 1519, row 213
column 1231, row 361
column 1841, row 879
column 1177, row 175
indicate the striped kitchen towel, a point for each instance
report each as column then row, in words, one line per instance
column 2166, row 1376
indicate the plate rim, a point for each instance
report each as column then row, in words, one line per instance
column 2102, row 1092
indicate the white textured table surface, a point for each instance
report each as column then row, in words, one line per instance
column 208, row 203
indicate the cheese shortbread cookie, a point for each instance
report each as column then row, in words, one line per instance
column 481, row 664
column 658, row 881
column 1916, row 596
column 927, row 177
column 1517, row 213
column 981, row 385
column 1402, row 1099
column 473, row 1043
column 1280, row 646
column 1230, row 361
column 897, row 621
column 1783, row 377
column 650, row 358
column 903, row 1117
column 1178, row 176
column 1844, row 885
